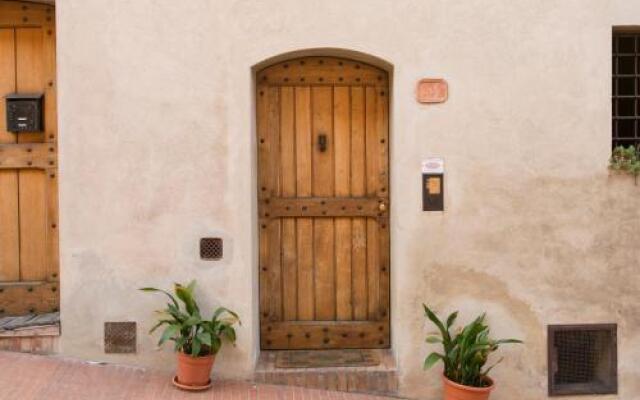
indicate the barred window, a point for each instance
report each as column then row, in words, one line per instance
column 626, row 89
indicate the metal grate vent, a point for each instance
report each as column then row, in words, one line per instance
column 211, row 248
column 583, row 359
column 120, row 337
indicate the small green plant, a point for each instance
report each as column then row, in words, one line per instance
column 466, row 352
column 626, row 159
column 185, row 326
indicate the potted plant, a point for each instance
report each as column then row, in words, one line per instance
column 197, row 340
column 464, row 356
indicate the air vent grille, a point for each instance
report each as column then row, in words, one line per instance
column 211, row 248
column 582, row 359
column 120, row 337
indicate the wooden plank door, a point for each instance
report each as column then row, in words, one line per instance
column 28, row 163
column 323, row 204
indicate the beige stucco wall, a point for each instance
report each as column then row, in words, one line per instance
column 157, row 150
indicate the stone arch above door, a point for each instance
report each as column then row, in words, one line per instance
column 334, row 52
column 322, row 70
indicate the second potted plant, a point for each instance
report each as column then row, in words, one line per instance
column 197, row 340
column 464, row 356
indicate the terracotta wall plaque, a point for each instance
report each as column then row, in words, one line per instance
column 432, row 90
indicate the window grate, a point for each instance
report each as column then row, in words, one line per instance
column 626, row 89
column 582, row 359
column 211, row 248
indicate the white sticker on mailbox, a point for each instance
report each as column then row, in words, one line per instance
column 433, row 165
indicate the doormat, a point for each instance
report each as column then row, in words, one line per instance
column 326, row 358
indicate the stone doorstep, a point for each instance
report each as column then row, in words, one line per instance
column 381, row 379
column 11, row 323
column 30, row 344
column 33, row 333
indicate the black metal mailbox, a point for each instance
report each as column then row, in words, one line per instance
column 24, row 112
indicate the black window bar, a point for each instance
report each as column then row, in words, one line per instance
column 626, row 89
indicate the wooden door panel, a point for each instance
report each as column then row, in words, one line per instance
column 358, row 189
column 322, row 210
column 342, row 225
column 373, row 268
column 322, row 168
column 384, row 239
column 323, row 185
column 288, row 189
column 9, row 222
column 305, row 294
column 28, row 163
column 7, row 77
column 371, row 165
column 30, row 62
column 33, row 229
column 359, row 268
column 324, row 334
column 32, row 194
column 342, row 142
column 271, row 300
column 274, row 265
column 344, row 295
column 304, row 226
column 9, row 227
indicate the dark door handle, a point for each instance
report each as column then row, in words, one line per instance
column 322, row 142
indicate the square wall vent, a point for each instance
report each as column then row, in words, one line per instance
column 582, row 359
column 211, row 248
column 120, row 337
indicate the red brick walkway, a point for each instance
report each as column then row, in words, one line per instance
column 31, row 377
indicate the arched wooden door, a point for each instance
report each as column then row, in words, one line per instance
column 323, row 188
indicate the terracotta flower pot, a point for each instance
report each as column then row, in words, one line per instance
column 194, row 371
column 456, row 391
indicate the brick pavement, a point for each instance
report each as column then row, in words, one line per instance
column 33, row 377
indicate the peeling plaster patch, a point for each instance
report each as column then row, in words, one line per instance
column 480, row 292
column 447, row 288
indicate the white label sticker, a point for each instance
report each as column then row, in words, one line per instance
column 433, row 165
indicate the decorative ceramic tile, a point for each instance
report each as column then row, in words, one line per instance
column 432, row 90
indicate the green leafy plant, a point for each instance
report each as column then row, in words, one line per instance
column 626, row 159
column 185, row 326
column 466, row 352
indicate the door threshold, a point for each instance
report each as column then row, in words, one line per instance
column 373, row 371
column 31, row 333
column 43, row 324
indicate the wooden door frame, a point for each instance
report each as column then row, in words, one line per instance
column 314, row 52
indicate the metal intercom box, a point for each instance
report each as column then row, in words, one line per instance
column 24, row 112
column 433, row 184
column 432, row 192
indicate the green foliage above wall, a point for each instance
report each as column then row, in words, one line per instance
column 626, row 159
